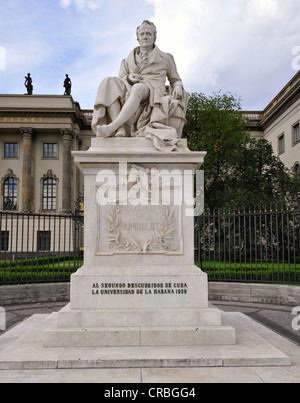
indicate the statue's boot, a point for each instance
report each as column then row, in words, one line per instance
column 104, row 131
column 121, row 132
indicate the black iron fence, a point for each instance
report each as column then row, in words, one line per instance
column 250, row 246
column 39, row 247
column 245, row 246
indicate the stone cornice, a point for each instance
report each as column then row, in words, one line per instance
column 38, row 112
column 43, row 106
column 283, row 104
column 280, row 104
column 75, row 117
column 59, row 110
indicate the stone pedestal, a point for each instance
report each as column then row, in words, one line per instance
column 139, row 285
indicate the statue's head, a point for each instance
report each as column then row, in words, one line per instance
column 149, row 26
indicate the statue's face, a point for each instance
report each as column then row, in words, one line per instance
column 146, row 36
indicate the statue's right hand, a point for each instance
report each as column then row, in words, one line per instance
column 134, row 78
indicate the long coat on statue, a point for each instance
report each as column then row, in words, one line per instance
column 161, row 105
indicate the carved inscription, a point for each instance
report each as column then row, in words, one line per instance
column 141, row 229
column 139, row 289
column 21, row 119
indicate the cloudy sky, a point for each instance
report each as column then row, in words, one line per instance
column 246, row 47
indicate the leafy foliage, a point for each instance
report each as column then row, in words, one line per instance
column 238, row 170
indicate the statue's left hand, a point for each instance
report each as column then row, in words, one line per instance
column 178, row 92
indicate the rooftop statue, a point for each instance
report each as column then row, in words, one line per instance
column 28, row 84
column 138, row 102
column 67, row 85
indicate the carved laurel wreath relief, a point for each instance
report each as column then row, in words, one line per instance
column 161, row 239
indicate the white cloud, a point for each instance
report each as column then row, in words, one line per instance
column 82, row 4
column 19, row 57
column 241, row 46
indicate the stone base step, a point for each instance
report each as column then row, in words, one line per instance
column 71, row 318
column 21, row 348
column 140, row 337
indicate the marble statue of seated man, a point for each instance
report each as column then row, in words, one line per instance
column 139, row 98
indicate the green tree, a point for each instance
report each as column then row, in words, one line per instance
column 260, row 178
column 238, row 170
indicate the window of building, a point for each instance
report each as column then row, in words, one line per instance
column 50, row 150
column 44, row 241
column 11, row 150
column 49, row 194
column 281, row 144
column 296, row 133
column 297, row 168
column 4, row 241
column 10, row 194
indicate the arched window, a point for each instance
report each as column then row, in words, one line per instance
column 10, row 193
column 49, row 194
column 297, row 168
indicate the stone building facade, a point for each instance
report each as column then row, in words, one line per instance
column 279, row 123
column 37, row 135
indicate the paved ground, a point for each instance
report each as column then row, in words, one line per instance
column 16, row 314
column 277, row 318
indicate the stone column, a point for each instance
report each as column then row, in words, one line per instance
column 27, row 194
column 68, row 137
